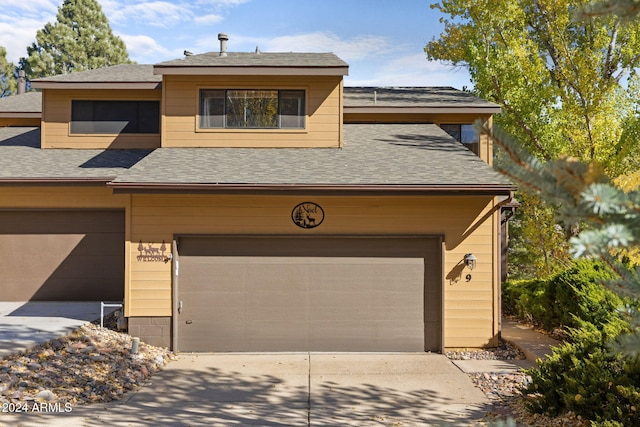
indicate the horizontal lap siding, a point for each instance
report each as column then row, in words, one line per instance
column 323, row 127
column 470, row 313
column 57, row 116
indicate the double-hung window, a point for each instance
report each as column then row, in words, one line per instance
column 252, row 109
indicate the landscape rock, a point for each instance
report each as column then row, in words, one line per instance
column 45, row 395
column 91, row 365
column 34, row 366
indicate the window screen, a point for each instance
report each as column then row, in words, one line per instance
column 114, row 117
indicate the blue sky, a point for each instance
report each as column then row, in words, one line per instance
column 382, row 40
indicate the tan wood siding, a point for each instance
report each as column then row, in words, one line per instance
column 57, row 117
column 181, row 103
column 469, row 310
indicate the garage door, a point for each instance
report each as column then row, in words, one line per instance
column 308, row 294
column 62, row 255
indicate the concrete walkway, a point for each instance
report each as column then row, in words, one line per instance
column 302, row 389
column 533, row 344
column 23, row 325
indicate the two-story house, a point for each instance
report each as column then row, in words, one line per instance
column 251, row 202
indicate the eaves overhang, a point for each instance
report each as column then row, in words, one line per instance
column 19, row 115
column 423, row 110
column 54, row 181
column 366, row 189
column 96, row 85
column 249, row 71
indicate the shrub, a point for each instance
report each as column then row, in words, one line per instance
column 583, row 376
column 578, row 294
column 523, row 299
column 566, row 298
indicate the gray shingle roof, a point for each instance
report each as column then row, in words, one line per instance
column 411, row 97
column 372, row 155
column 21, row 157
column 30, row 102
column 269, row 59
column 123, row 73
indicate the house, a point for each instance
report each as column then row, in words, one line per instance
column 251, row 202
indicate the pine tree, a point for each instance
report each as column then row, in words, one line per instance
column 81, row 39
column 8, row 82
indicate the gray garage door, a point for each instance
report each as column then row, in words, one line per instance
column 62, row 255
column 309, row 294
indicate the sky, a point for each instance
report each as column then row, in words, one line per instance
column 381, row 40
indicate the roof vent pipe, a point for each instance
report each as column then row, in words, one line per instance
column 223, row 37
column 22, row 82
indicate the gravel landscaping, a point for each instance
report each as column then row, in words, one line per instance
column 504, row 391
column 91, row 365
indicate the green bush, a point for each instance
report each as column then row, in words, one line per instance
column 524, row 299
column 578, row 294
column 583, row 376
column 564, row 299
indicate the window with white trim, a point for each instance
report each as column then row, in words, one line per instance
column 252, row 109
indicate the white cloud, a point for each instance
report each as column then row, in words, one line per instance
column 155, row 13
column 347, row 49
column 409, row 70
column 31, row 7
column 144, row 49
column 17, row 34
column 222, row 3
column 208, row 19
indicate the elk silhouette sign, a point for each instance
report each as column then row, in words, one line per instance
column 307, row 215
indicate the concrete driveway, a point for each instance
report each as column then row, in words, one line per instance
column 301, row 389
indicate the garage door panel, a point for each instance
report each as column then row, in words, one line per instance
column 378, row 336
column 308, row 294
column 223, row 307
column 281, row 306
column 276, row 335
column 62, row 255
column 284, row 275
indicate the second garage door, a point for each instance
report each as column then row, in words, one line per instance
column 62, row 255
column 308, row 294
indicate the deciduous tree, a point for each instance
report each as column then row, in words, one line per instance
column 80, row 39
column 561, row 81
column 566, row 86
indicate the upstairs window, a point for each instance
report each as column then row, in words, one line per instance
column 115, row 117
column 252, row 109
column 465, row 134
